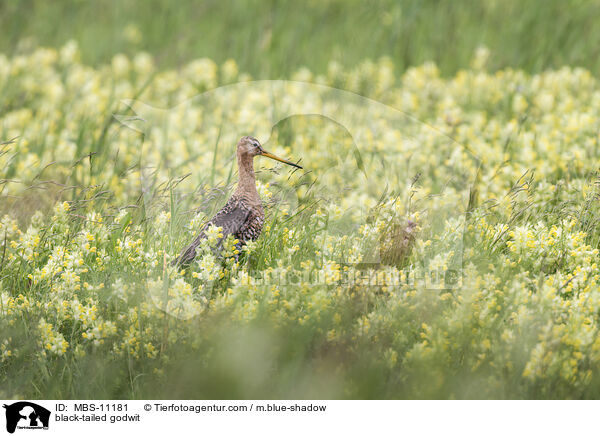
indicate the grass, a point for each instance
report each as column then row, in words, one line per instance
column 491, row 153
column 273, row 39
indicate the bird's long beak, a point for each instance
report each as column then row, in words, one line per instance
column 272, row 156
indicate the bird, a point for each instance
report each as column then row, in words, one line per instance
column 243, row 215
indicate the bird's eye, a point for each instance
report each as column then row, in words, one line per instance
column 256, row 144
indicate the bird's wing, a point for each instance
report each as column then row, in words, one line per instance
column 230, row 218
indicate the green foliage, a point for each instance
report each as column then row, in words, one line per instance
column 273, row 39
column 97, row 198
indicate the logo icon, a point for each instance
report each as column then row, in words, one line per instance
column 26, row 415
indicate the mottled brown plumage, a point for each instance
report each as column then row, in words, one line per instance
column 243, row 215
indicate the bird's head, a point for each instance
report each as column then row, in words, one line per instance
column 249, row 146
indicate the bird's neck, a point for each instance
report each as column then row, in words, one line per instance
column 247, row 181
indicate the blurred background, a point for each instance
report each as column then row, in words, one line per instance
column 272, row 39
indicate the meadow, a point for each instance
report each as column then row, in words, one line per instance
column 273, row 39
column 441, row 241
